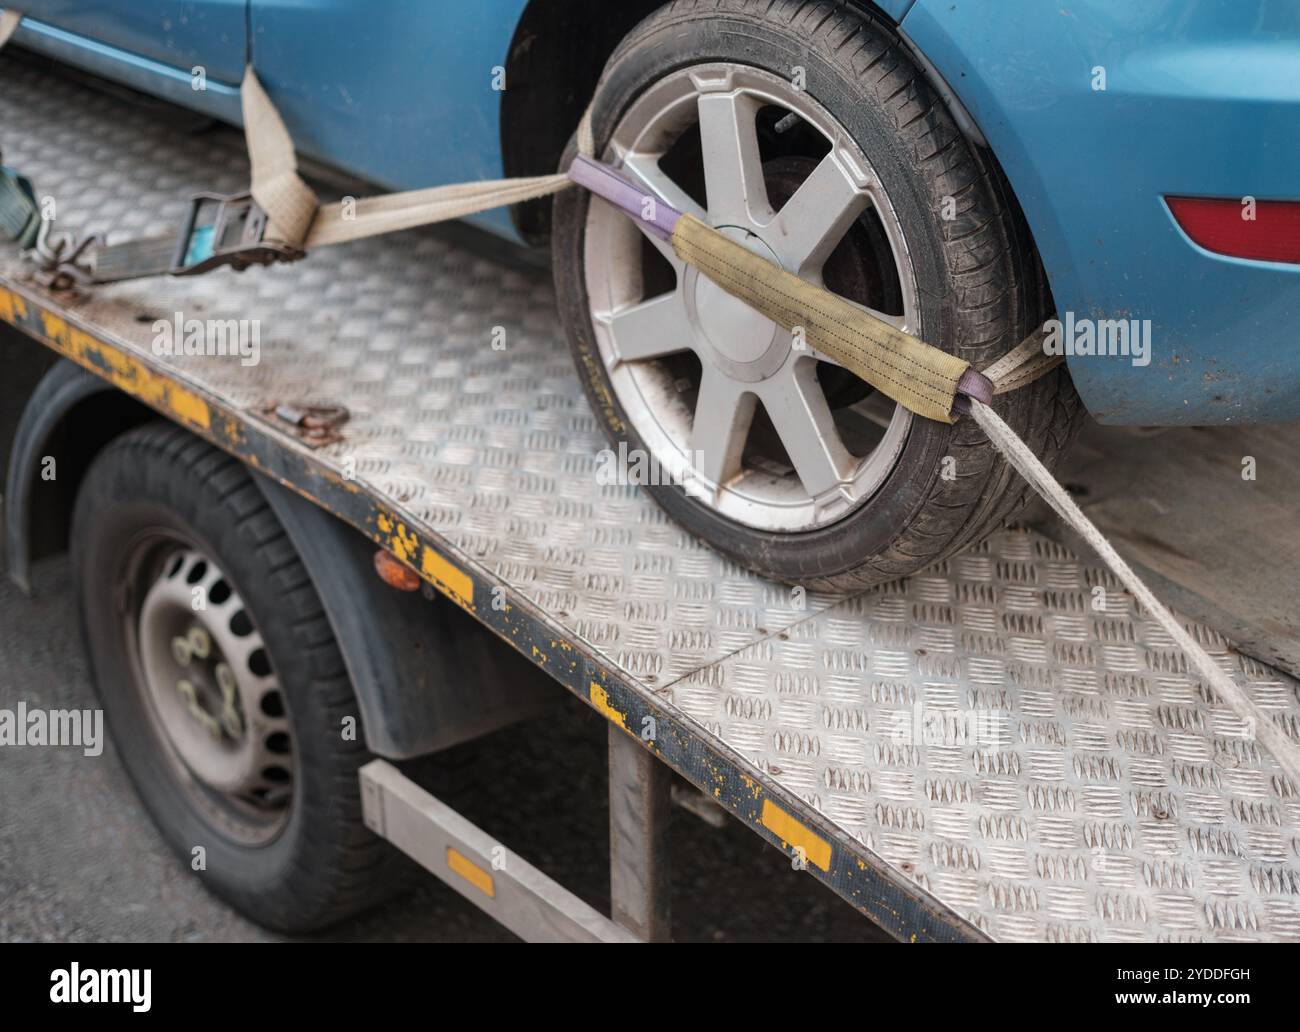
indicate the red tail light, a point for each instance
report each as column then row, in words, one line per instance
column 1222, row 225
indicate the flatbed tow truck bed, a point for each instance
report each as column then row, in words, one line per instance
column 974, row 753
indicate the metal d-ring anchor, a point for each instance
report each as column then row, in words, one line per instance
column 62, row 261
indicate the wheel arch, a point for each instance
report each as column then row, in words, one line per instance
column 551, row 82
column 426, row 674
column 69, row 418
column 416, row 695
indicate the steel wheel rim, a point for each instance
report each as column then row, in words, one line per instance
column 238, row 766
column 746, row 362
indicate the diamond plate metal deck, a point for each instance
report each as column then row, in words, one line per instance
column 1003, row 740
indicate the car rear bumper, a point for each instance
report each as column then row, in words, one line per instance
column 1199, row 100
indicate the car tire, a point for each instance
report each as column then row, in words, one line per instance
column 152, row 500
column 979, row 283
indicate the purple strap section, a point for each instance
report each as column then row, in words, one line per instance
column 972, row 384
column 659, row 218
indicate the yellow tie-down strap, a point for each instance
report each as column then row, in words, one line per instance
column 916, row 375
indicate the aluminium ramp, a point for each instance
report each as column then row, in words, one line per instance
column 976, row 752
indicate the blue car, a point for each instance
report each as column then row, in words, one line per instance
column 965, row 169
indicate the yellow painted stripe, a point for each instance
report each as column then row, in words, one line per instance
column 477, row 876
column 119, row 368
column 12, row 307
column 600, row 699
column 796, row 835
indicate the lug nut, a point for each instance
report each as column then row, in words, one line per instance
column 200, row 642
column 181, row 651
column 226, row 681
column 230, row 718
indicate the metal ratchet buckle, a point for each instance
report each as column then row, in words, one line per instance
column 222, row 229
column 218, row 230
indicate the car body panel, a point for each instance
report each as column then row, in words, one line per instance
column 896, row 9
column 400, row 93
column 170, row 82
column 179, row 34
column 1202, row 98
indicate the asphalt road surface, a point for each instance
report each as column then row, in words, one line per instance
column 80, row 860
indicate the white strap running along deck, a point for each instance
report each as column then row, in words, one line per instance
column 1031, row 752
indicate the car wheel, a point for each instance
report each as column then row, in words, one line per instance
column 806, row 133
column 221, row 681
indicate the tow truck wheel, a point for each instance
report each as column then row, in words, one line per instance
column 805, row 132
column 221, row 681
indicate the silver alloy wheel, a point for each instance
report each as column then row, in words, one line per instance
column 212, row 694
column 699, row 432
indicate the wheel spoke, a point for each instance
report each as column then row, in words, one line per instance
column 797, row 406
column 644, row 169
column 651, row 329
column 814, row 220
column 902, row 323
column 899, row 322
column 733, row 167
column 723, row 414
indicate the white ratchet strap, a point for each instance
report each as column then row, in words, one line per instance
column 297, row 217
column 1255, row 723
column 9, row 19
column 1023, row 364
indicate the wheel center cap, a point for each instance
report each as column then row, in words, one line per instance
column 742, row 342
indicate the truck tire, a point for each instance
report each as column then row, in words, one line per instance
column 185, row 578
column 779, row 460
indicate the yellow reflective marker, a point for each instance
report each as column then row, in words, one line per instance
column 448, row 578
column 796, row 835
column 477, row 876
